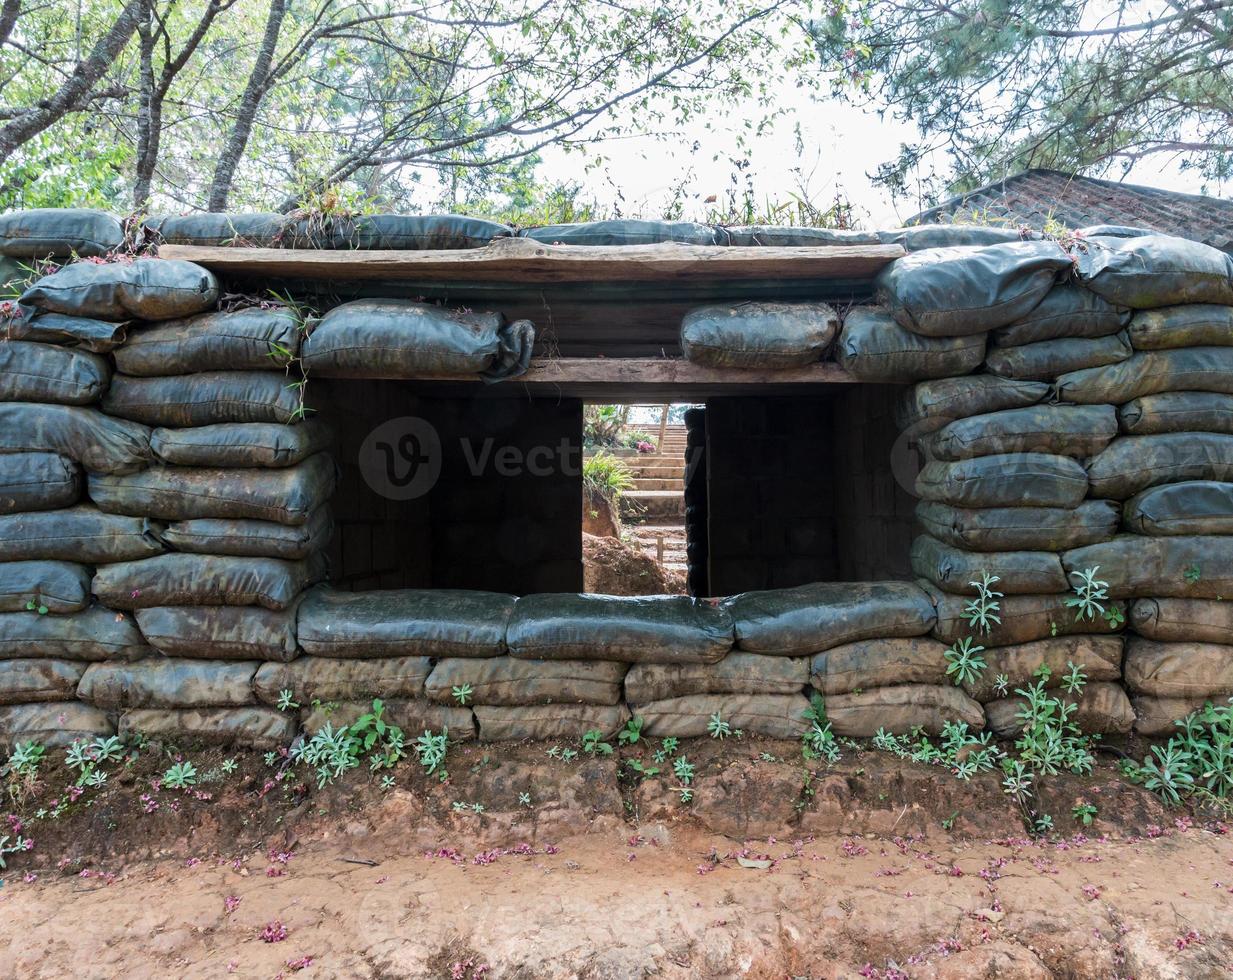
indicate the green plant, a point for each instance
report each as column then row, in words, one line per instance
column 632, row 732
column 1001, row 685
column 430, row 749
column 1090, row 594
column 38, row 607
column 593, row 743
column 25, row 759
column 462, row 693
column 982, row 612
column 818, row 741
column 182, row 775
column 229, row 766
column 1043, row 823
column 717, row 727
column 286, row 701
column 19, row 845
column 949, row 822
column 387, row 782
column 524, row 799
column 1074, row 679
column 606, row 476
column 1192, row 574
column 636, row 766
column 686, row 795
column 670, row 744
column 964, row 661
column 1084, row 813
column 683, row 769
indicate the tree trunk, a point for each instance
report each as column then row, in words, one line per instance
column 8, row 17
column 147, row 126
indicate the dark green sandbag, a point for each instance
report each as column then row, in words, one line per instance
column 873, row 347
column 1178, row 670
column 95, row 633
column 811, row 618
column 248, row 538
column 1066, row 311
column 771, row 715
column 932, row 404
column 161, row 682
column 1018, row 572
column 46, row 373
column 900, row 709
column 253, row 230
column 82, row 534
column 243, row 444
column 1149, row 373
column 1195, row 507
column 1183, row 620
column 1113, row 231
column 1156, row 270
column 413, row 715
column 37, row 481
column 737, row 673
column 98, row 336
column 206, row 399
column 1134, row 463
column 59, row 232
column 253, row 728
column 1191, row 325
column 146, row 289
column 98, row 442
column 793, row 236
column 412, row 232
column 54, row 725
column 1159, row 716
column 1177, row 411
column 248, row 340
column 57, row 586
column 1015, row 480
column 221, row 632
column 511, row 681
column 322, row 679
column 919, row 237
column 879, row 663
column 28, row 681
column 1053, row 358
column 953, row 292
column 499, row 723
column 1099, row 657
column 625, row 231
column 180, row 493
column 1020, row 528
column 1066, row 430
column 404, row 623
column 758, row 334
column 1199, row 567
column 205, row 580
column 1024, row 618
column 635, row 629
column 1102, row 709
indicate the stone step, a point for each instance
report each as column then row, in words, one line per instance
column 659, row 483
column 640, row 506
column 661, row 471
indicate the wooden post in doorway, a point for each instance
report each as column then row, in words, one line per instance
column 663, row 429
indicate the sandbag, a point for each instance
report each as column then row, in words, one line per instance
column 220, row 632
column 954, row 292
column 1196, row 507
column 1149, row 373
column 1066, row 311
column 1015, row 480
column 1159, row 716
column 772, row 715
column 1102, row 709
column 95, row 633
column 255, row 339
column 624, row 231
column 1020, row 528
column 171, row 493
column 46, row 373
column 1177, row 411
column 1178, row 670
column 54, row 725
column 254, row 728
column 27, row 681
column 811, row 618
column 97, row 336
column 1053, row 358
column 164, row 683
column 873, row 347
column 1099, row 657
column 634, row 629
column 758, row 334
column 147, row 289
column 405, row 339
column 37, row 481
column 59, row 586
column 1134, row 463
column 249, row 538
column 412, row 232
column 1198, row 567
column 1192, row 325
column 1184, row 620
column 252, row 230
column 242, row 444
column 1018, row 572
column 82, row 534
column 1065, row 430
column 59, row 232
column 900, row 709
column 404, row 623
column 879, row 663
column 413, row 715
column 99, row 443
column 918, row 237
column 321, row 679
column 737, row 673
column 205, row 580
column 1024, row 618
column 205, row 399
column 793, row 236
column 510, row 681
column 498, row 723
column 1156, row 270
column 931, row 405
column 1113, row 231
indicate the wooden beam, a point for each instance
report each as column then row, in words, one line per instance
column 523, row 260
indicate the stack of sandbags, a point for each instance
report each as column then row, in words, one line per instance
column 758, row 335
column 412, row 232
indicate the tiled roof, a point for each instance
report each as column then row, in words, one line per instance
column 1032, row 197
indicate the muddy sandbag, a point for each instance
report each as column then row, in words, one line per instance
column 46, row 373
column 1134, row 463
column 737, row 673
column 99, row 443
column 1156, row 270
column 37, row 481
column 1053, row 358
column 510, row 681
column 180, row 493
column 1102, row 709
column 1184, row 620
column 1020, row 528
column 251, row 727
column 82, row 534
column 1191, row 325
column 95, row 633
column 1099, row 657
column 252, row 230
column 1149, row 373
column 252, row 539
column 161, row 682
column 1178, row 670
column 879, row 663
column 205, row 580
column 1195, row 507
column 918, row 237
column 1159, row 716
column 900, row 709
column 413, row 715
column 954, row 292
column 633, row 629
column 1064, row 430
column 54, row 725
column 1177, row 411
column 758, row 334
column 794, row 236
column 205, row 399
column 411, row 232
column 1199, row 567
column 931, row 405
column 404, row 623
column 220, row 632
column 321, row 679
column 97, row 336
column 1066, row 311
column 27, row 681
column 810, row 618
column 772, row 715
column 242, row 444
column 873, row 347
column 255, row 339
column 625, row 231
column 145, row 289
column 499, row 723
column 1024, row 618
column 57, row 586
column 1018, row 572
column 1014, row 480
column 59, row 232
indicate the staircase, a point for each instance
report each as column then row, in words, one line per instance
column 653, row 512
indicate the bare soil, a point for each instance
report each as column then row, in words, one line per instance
column 610, row 566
